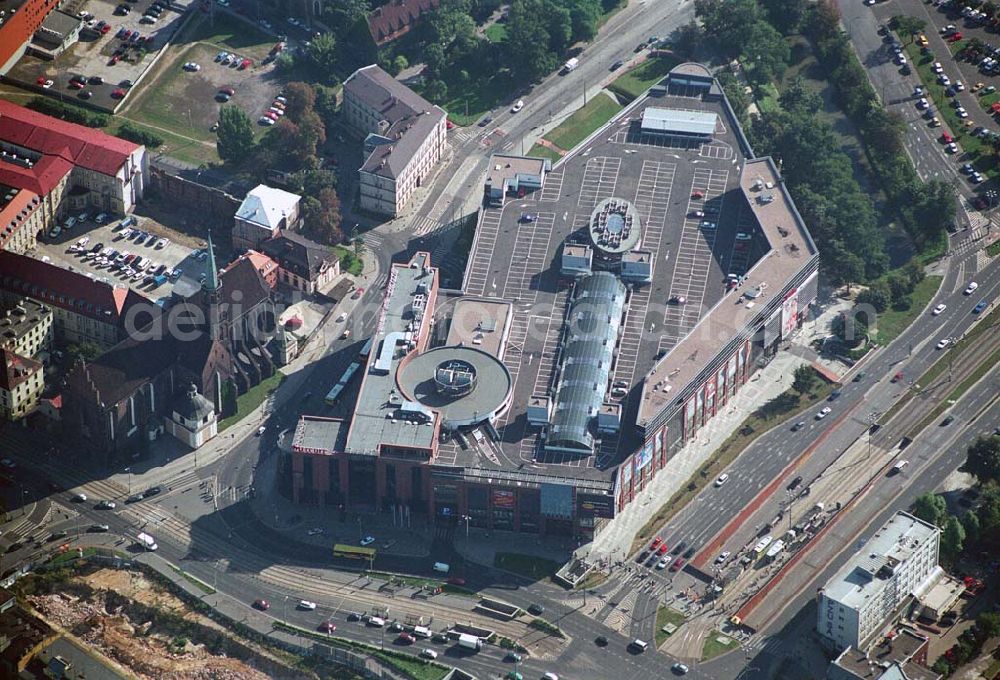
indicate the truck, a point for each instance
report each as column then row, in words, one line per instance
column 159, row 280
column 470, row 642
column 571, row 65
column 762, row 545
column 146, row 541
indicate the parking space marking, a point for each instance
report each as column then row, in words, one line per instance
column 553, row 186
column 694, row 253
column 479, row 265
column 600, row 176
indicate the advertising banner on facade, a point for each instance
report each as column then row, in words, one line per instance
column 503, row 499
column 596, row 505
column 789, row 313
column 557, row 501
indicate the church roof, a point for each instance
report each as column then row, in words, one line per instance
column 193, row 406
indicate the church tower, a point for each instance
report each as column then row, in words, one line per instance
column 212, row 294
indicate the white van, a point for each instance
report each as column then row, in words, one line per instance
column 639, row 645
column 898, row 467
column 376, row 622
column 422, row 632
column 428, row 654
column 441, row 567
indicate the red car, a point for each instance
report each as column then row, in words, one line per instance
column 262, row 605
column 357, row 293
column 228, row 90
column 327, row 627
column 946, row 138
column 678, row 563
column 105, row 29
column 456, row 581
column 656, row 543
column 41, row 80
column 118, row 94
column 896, row 378
column 406, row 639
column 954, row 37
column 697, row 194
column 449, row 124
column 76, row 85
column 662, row 550
column 113, row 60
column 244, row 64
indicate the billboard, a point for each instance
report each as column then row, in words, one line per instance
column 626, row 471
column 643, row 457
column 557, row 501
column 503, row 499
column 789, row 313
column 597, row 505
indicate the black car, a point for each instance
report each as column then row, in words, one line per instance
column 486, row 121
column 642, row 556
column 794, row 483
column 536, row 609
column 689, row 553
column 354, row 616
column 15, row 546
column 948, row 421
column 99, row 528
column 57, row 535
column 617, row 65
column 152, row 491
column 678, row 548
column 601, row 641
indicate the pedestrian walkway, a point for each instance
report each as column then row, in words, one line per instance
column 615, row 542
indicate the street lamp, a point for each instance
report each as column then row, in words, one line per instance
column 129, row 471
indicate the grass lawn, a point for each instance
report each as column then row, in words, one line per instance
column 635, row 81
column 982, row 369
column 467, row 103
column 782, row 408
column 665, row 615
column 230, row 33
column 252, row 399
column 993, row 249
column 717, row 644
column 194, row 580
column 71, row 555
column 194, row 151
column 973, row 150
column 526, row 565
column 496, row 33
column 768, row 98
column 584, row 121
column 892, row 322
column 540, row 151
column 349, row 262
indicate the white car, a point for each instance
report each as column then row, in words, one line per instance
column 518, row 105
column 367, row 540
column 662, row 564
column 80, row 497
column 971, row 288
column 192, row 66
column 953, row 147
column 723, row 478
column 307, row 605
column 923, row 104
column 900, row 59
column 937, row 67
column 163, row 243
column 315, row 531
column 264, row 120
column 705, row 224
column 47, row 84
column 723, row 556
column 823, row 413
column 944, row 343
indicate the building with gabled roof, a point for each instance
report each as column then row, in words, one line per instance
column 72, row 166
column 405, row 137
column 395, row 18
column 263, row 214
column 21, row 383
column 85, row 310
column 303, row 264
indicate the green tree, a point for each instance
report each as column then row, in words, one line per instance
column 728, row 21
column 988, row 624
column 983, row 459
column 532, row 59
column 766, row 53
column 952, row 537
column 798, row 98
column 400, row 64
column 931, row 508
column 585, row 17
column 805, row 379
column 877, row 295
column 322, row 217
column 436, row 91
column 235, row 134
column 687, row 38
column 786, row 15
column 973, row 529
column 323, row 55
column 84, row 351
column 300, row 98
column 907, row 25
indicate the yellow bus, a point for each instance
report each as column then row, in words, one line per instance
column 353, row 552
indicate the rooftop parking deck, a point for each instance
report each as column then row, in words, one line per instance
column 673, row 184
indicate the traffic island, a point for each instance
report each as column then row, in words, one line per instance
column 716, row 645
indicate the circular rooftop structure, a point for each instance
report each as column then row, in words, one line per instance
column 614, row 226
column 465, row 385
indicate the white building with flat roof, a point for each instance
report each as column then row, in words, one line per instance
column 868, row 593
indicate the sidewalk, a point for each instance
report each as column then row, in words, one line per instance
column 616, row 541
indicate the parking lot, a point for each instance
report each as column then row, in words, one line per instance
column 108, row 58
column 103, row 251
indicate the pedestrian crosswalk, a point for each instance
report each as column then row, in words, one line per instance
column 423, row 225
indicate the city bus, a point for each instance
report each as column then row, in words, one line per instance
column 366, row 349
column 334, row 394
column 354, row 552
